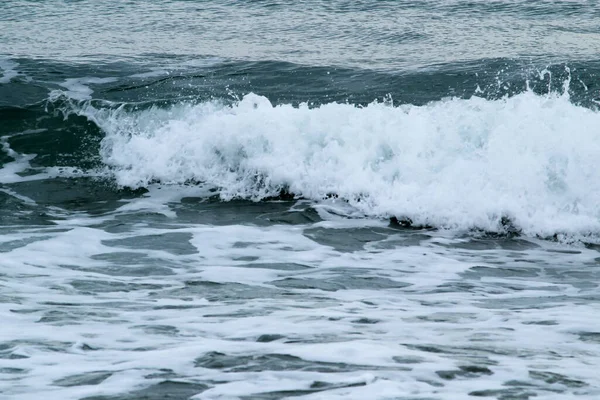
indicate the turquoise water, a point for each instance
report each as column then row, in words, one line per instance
column 269, row 200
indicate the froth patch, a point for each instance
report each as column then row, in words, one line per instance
column 79, row 88
column 8, row 70
column 456, row 163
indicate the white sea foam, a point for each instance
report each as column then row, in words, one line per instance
column 8, row 70
column 79, row 88
column 453, row 163
column 65, row 313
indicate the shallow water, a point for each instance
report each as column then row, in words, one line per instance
column 263, row 200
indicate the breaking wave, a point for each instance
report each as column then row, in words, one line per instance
column 454, row 163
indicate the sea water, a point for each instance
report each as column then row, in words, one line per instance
column 317, row 200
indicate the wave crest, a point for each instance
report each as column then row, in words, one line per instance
column 456, row 163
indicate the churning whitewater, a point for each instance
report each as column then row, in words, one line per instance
column 455, row 163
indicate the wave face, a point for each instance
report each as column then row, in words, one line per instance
column 454, row 163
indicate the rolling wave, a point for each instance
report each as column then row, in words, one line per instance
column 455, row 163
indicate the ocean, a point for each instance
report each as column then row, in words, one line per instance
column 318, row 199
